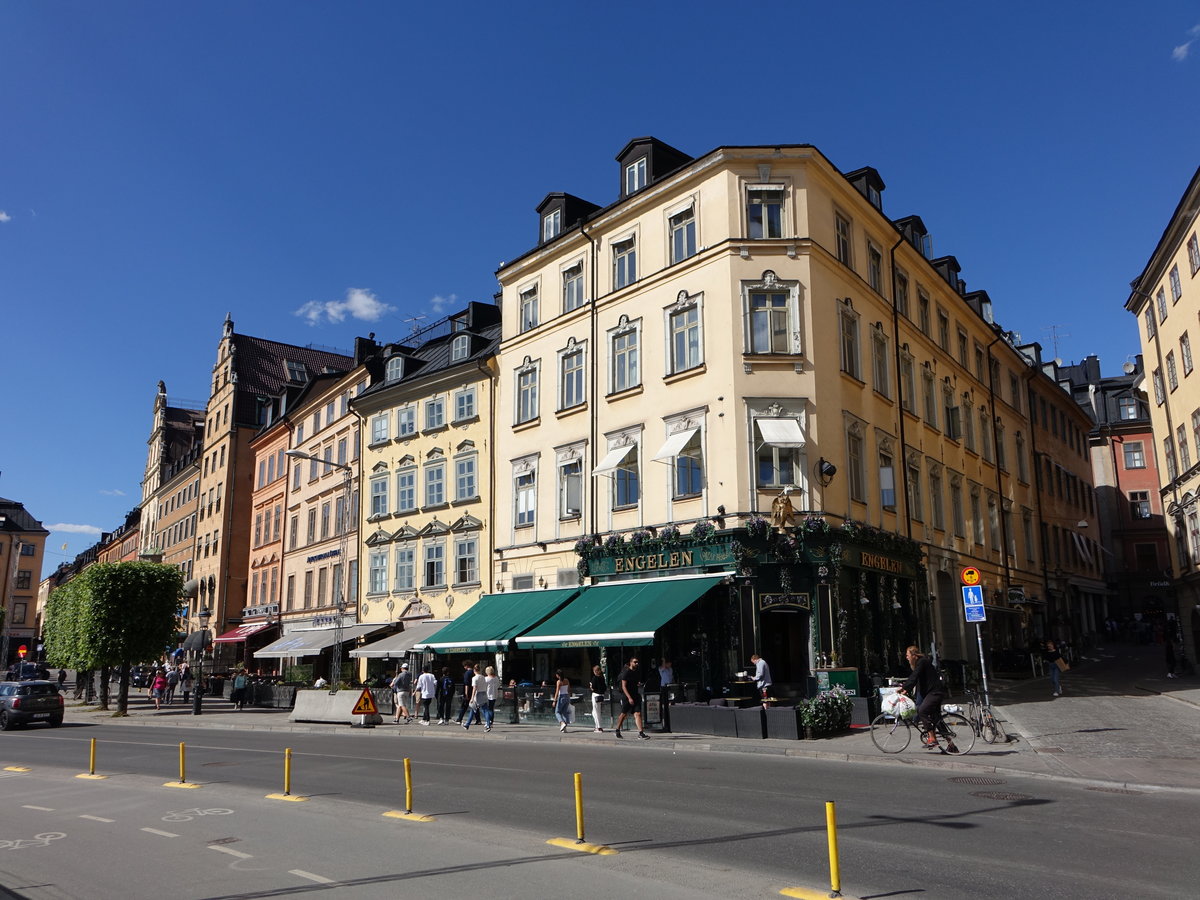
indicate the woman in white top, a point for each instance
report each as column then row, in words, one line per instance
column 562, row 699
column 426, row 688
column 491, row 692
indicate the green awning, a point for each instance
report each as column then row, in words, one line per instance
column 496, row 619
column 621, row 614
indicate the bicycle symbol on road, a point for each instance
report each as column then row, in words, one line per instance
column 38, row 840
column 186, row 815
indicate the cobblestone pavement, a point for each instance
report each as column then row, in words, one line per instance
column 1120, row 722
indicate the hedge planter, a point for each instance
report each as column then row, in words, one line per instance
column 692, row 718
column 783, row 722
column 724, row 720
column 750, row 722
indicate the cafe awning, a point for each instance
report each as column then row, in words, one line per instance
column 197, row 640
column 619, row 614
column 399, row 644
column 313, row 641
column 242, row 632
column 496, row 619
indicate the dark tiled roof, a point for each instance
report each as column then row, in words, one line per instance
column 16, row 518
column 262, row 370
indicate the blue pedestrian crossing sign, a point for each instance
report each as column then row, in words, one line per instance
column 973, row 603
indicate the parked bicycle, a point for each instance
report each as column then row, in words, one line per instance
column 983, row 719
column 893, row 734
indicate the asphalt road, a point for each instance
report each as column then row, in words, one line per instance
column 685, row 824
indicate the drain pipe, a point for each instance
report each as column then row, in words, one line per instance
column 900, row 463
column 594, row 399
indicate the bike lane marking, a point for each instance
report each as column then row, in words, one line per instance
column 160, row 833
column 98, row 819
column 319, row 879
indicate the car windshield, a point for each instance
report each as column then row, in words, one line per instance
column 36, row 690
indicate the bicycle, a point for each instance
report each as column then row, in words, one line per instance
column 892, row 734
column 983, row 719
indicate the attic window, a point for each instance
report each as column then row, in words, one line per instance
column 296, row 371
column 551, row 224
column 635, row 176
column 395, row 369
column 460, row 348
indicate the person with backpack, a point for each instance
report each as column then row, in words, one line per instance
column 445, row 696
column 172, row 683
column 238, row 695
column 185, row 681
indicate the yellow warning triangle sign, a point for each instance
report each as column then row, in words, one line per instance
column 365, row 705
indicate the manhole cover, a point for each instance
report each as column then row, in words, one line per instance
column 1000, row 795
column 976, row 779
column 1108, row 790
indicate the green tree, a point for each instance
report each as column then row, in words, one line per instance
column 115, row 614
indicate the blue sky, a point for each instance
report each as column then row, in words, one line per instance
column 323, row 170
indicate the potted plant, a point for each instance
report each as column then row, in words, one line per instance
column 827, row 713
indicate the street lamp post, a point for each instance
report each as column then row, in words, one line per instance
column 203, row 615
column 339, row 599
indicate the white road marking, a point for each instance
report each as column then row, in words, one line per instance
column 162, row 833
column 238, row 853
column 310, row 876
column 41, row 808
column 97, row 819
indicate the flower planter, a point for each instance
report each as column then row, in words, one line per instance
column 783, row 722
column 724, row 720
column 750, row 722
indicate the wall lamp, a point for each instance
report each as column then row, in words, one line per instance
column 825, row 471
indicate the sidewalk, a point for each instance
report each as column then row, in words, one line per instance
column 1120, row 724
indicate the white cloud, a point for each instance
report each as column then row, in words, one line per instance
column 75, row 529
column 1194, row 31
column 359, row 304
column 1180, row 53
column 115, row 492
column 439, row 303
column 5, row 217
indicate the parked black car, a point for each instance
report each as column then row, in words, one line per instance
column 24, row 671
column 23, row 702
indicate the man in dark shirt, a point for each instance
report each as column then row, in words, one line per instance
column 599, row 688
column 468, row 678
column 631, row 701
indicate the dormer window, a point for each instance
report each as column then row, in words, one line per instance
column 552, row 225
column 296, row 371
column 395, row 369
column 460, row 348
column 635, row 176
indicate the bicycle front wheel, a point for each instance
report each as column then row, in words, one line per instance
column 889, row 734
column 990, row 728
column 957, row 735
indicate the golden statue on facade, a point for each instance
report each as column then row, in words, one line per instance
column 782, row 513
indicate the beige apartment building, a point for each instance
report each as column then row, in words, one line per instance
column 248, row 373
column 426, row 523
column 170, row 487
column 735, row 328
column 22, row 546
column 317, row 445
column 1165, row 298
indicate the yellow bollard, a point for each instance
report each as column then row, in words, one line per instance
column 92, row 758
column 182, row 754
column 579, row 807
column 408, row 785
column 287, row 772
column 835, row 870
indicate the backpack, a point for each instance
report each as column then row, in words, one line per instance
column 172, row 678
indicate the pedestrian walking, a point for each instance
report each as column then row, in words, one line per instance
column 631, row 701
column 1169, row 657
column 468, row 675
column 241, row 682
column 491, row 693
column 185, row 681
column 562, row 700
column 445, row 696
column 62, row 680
column 1057, row 665
column 172, row 683
column 478, row 696
column 402, row 691
column 158, row 687
column 427, row 688
column 599, row 689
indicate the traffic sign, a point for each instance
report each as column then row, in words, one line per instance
column 973, row 603
column 365, row 705
column 970, row 575
column 22, row 651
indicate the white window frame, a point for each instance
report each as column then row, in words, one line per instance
column 572, row 382
column 570, row 485
column 379, row 429
column 435, row 413
column 843, row 238
column 684, row 320
column 406, row 490
column 466, row 477
column 464, row 405
column 880, row 370
column 908, row 381
column 760, row 223
column 526, row 381
column 377, row 574
column 625, row 364
column 635, row 175
column 405, row 568
column 552, row 224
column 848, row 342
column 460, row 347
column 394, row 372
column 624, row 261
column 379, row 495
column 574, row 295
column 525, row 483
column 527, row 309
column 433, row 565
column 681, row 234
column 466, row 560
column 434, row 479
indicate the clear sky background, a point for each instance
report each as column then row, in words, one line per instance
column 324, row 170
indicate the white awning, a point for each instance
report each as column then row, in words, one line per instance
column 312, row 641
column 401, row 644
column 675, row 443
column 781, row 432
column 613, row 459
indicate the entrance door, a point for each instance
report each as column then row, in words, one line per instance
column 785, row 642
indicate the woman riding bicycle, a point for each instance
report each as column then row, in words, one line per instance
column 932, row 690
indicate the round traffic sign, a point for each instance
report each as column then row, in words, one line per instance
column 970, row 575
